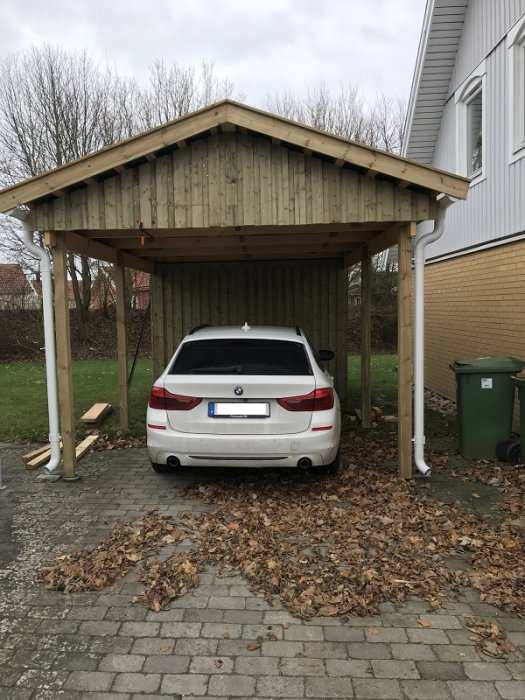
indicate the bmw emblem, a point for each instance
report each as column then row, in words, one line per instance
column 238, row 391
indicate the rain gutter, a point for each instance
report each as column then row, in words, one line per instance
column 49, row 335
column 422, row 240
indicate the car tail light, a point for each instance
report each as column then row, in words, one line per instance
column 166, row 401
column 318, row 400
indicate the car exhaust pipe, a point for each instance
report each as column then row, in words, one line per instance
column 304, row 463
column 173, row 461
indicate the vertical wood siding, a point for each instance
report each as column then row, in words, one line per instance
column 229, row 180
column 312, row 296
column 495, row 207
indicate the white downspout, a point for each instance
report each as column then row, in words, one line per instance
column 422, row 240
column 49, row 336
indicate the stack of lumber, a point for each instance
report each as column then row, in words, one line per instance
column 40, row 456
column 376, row 415
column 96, row 414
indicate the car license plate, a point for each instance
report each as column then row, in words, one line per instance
column 220, row 409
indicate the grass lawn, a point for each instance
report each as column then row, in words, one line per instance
column 383, row 378
column 23, row 401
column 23, row 398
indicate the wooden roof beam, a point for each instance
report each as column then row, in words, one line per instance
column 339, row 248
column 93, row 249
column 382, row 241
column 240, row 257
column 215, row 231
column 197, row 239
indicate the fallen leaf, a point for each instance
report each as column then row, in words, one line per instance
column 253, row 646
column 425, row 623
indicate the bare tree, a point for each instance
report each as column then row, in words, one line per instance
column 57, row 106
column 346, row 114
column 176, row 90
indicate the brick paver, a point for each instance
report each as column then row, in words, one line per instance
column 101, row 646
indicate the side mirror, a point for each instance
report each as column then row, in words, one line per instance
column 325, row 355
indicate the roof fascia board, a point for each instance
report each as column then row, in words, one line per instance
column 230, row 112
column 112, row 156
column 349, row 151
column 421, row 52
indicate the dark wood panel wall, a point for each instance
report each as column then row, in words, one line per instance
column 310, row 295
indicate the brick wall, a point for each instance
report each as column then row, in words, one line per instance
column 474, row 307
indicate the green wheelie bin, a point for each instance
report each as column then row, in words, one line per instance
column 485, row 403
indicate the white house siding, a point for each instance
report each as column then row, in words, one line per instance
column 495, row 207
column 486, row 24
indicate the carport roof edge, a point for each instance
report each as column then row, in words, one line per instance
column 229, row 115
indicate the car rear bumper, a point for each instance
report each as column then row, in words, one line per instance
column 244, row 450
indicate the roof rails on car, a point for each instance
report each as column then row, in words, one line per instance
column 198, row 328
column 298, row 330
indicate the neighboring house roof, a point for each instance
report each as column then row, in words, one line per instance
column 13, row 280
column 442, row 27
column 70, row 293
column 140, row 281
column 228, row 116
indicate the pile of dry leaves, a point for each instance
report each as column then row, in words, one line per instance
column 105, row 442
column 92, row 569
column 489, row 637
column 345, row 545
column 323, row 546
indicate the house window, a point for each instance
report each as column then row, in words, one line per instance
column 475, row 133
column 516, row 50
column 471, row 125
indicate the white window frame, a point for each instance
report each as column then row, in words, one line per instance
column 516, row 91
column 466, row 92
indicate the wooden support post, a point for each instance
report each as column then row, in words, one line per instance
column 404, row 345
column 63, row 350
column 366, row 305
column 122, row 343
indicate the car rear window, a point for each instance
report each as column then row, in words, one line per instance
column 239, row 356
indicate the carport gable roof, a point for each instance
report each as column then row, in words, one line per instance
column 230, row 116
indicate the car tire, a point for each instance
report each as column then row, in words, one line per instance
column 161, row 468
column 332, row 468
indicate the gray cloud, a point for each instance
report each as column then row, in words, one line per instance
column 263, row 47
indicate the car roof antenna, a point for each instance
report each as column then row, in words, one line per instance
column 246, row 327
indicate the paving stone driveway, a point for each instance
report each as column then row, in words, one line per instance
column 101, row 646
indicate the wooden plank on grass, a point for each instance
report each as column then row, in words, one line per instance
column 96, row 413
column 84, row 446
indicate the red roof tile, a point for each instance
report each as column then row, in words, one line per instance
column 13, row 279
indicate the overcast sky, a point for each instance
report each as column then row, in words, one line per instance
column 262, row 46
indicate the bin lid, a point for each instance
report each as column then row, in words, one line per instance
column 487, row 365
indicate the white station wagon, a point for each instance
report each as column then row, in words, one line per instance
column 241, row 396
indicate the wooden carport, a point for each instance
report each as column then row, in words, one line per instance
column 238, row 215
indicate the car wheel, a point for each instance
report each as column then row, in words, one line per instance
column 514, row 452
column 161, row 468
column 330, row 469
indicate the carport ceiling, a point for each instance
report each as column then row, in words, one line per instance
column 232, row 183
